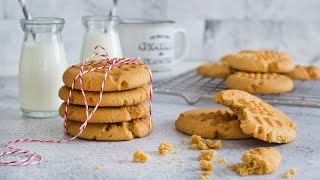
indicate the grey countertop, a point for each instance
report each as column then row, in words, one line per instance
column 79, row 158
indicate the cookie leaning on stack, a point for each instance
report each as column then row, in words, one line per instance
column 258, row 118
column 122, row 114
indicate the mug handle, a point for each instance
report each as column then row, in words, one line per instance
column 184, row 46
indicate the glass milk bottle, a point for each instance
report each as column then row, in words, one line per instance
column 101, row 30
column 42, row 64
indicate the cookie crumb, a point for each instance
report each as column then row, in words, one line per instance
column 233, row 167
column 287, row 175
column 206, row 165
column 202, row 146
column 140, row 156
column 205, row 175
column 213, row 144
column 175, row 152
column 164, row 148
column 193, row 146
column 293, row 171
column 196, row 139
column 98, row 167
column 221, row 161
column 183, row 140
column 207, row 155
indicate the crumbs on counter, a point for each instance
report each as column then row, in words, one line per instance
column 202, row 146
column 206, row 165
column 164, row 148
column 207, row 155
column 98, row 167
column 183, row 140
column 193, row 146
column 221, row 161
column 213, row 144
column 233, row 167
column 196, row 139
column 205, row 174
column 198, row 143
column 140, row 156
column 290, row 173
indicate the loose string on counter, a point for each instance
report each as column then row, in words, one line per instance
column 33, row 157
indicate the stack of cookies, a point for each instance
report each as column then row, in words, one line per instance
column 259, row 71
column 123, row 113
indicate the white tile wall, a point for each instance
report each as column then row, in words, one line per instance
column 289, row 25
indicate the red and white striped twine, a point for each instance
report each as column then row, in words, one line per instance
column 34, row 158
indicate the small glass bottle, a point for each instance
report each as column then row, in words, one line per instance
column 42, row 64
column 103, row 31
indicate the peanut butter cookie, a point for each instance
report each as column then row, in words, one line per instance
column 210, row 123
column 128, row 76
column 112, row 99
column 214, row 69
column 304, row 72
column 111, row 131
column 105, row 114
column 263, row 83
column 258, row 118
column 260, row 61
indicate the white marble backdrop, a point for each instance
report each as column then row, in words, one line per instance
column 216, row 26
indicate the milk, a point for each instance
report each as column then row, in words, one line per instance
column 40, row 76
column 109, row 40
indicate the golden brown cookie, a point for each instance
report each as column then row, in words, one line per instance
column 210, row 123
column 112, row 99
column 258, row 118
column 263, row 83
column 105, row 114
column 260, row 61
column 263, row 160
column 214, row 69
column 304, row 72
column 123, row 77
column 111, row 131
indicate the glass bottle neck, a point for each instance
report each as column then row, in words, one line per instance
column 101, row 24
column 42, row 29
column 42, row 38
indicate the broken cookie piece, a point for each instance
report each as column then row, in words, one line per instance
column 214, row 144
column 205, row 174
column 264, row 160
column 206, row 165
column 207, row 155
column 202, row 146
column 196, row 139
column 164, row 148
column 140, row 156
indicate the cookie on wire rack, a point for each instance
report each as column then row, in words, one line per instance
column 262, row 83
column 260, row 61
column 214, row 69
column 304, row 72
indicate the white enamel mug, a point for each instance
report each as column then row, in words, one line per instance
column 157, row 42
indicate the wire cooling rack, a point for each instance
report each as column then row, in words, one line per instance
column 193, row 87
